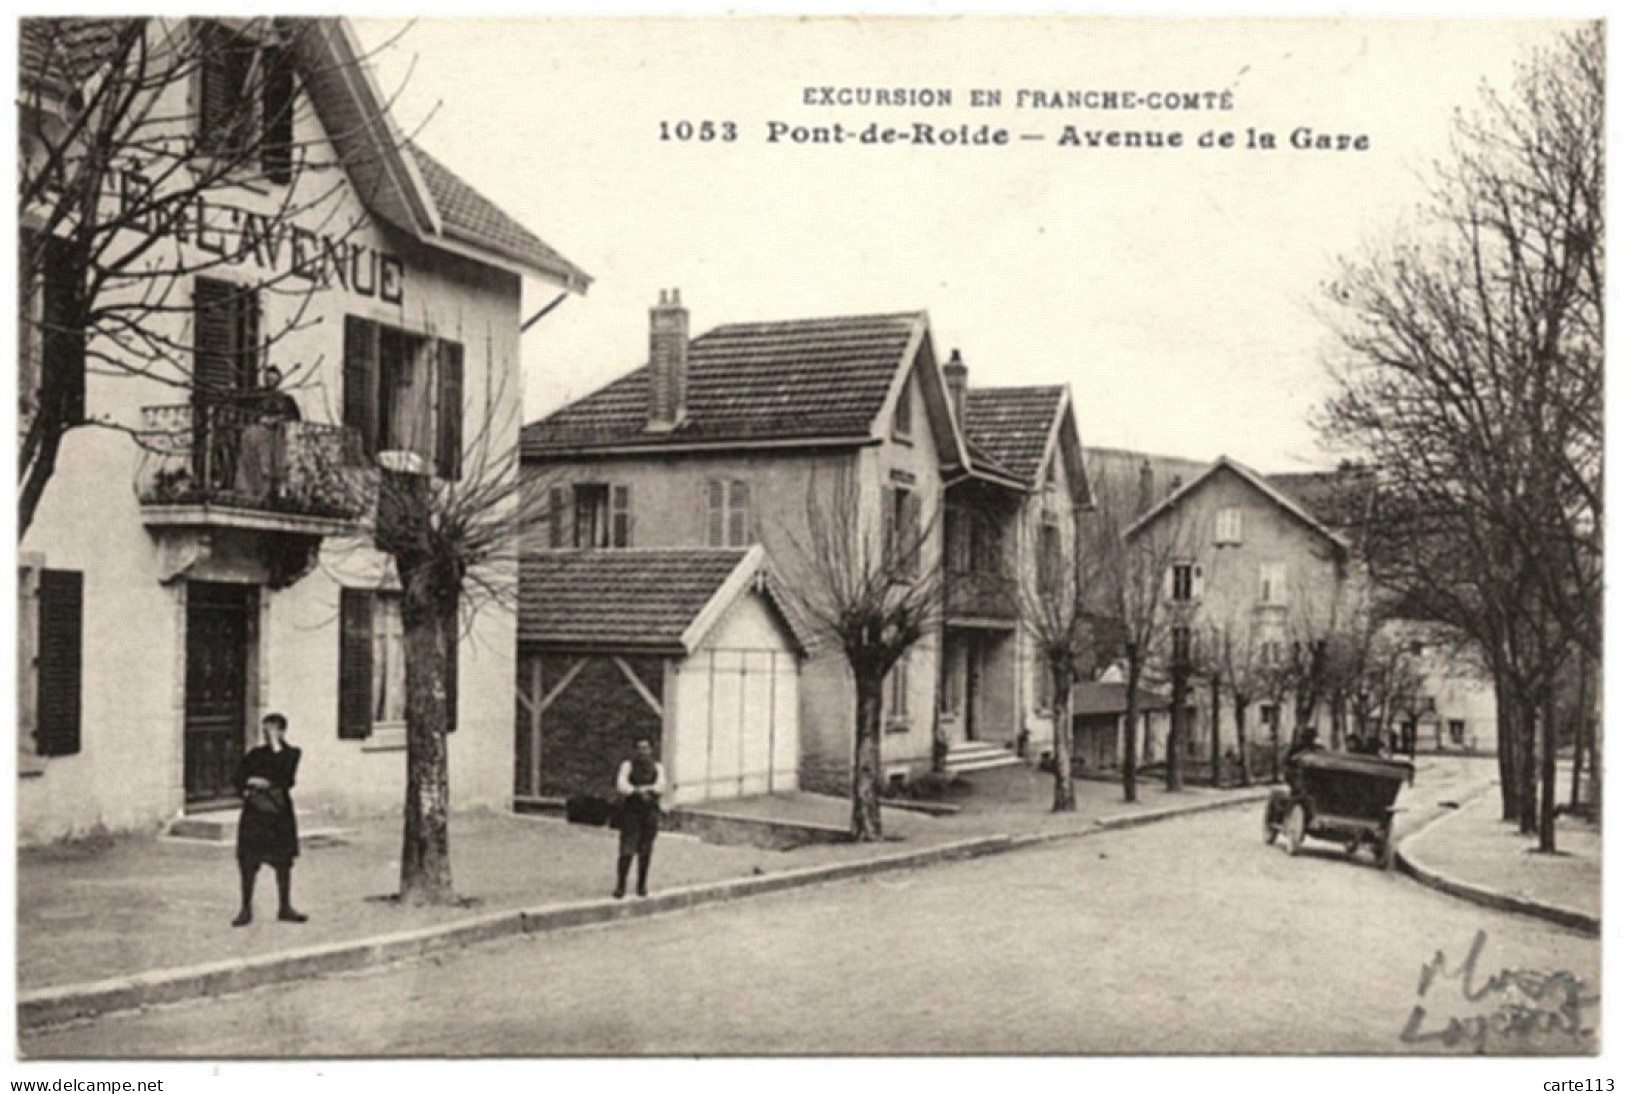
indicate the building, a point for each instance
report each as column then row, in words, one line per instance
column 766, row 433
column 193, row 565
column 1251, row 581
column 688, row 647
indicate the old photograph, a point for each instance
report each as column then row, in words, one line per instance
column 745, row 535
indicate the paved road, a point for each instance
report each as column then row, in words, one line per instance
column 1185, row 936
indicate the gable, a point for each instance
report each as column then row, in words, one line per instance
column 1226, row 481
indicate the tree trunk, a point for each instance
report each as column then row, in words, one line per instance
column 1275, row 743
column 1581, row 719
column 1132, row 734
column 1173, row 772
column 1213, row 712
column 426, row 844
column 1548, row 773
column 866, row 759
column 1339, row 720
column 1241, row 740
column 1528, row 771
column 1506, row 750
column 1066, row 799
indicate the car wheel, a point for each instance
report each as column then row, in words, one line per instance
column 1296, row 823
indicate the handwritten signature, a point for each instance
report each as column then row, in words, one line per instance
column 1514, row 1004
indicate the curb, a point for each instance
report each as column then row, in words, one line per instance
column 51, row 1006
column 1414, row 868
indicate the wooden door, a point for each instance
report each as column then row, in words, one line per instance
column 218, row 630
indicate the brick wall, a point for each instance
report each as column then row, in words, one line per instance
column 592, row 725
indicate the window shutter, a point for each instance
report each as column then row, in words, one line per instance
column 361, row 380
column 276, row 150
column 716, row 530
column 448, row 443
column 558, row 511
column 911, row 532
column 355, row 664
column 214, row 65
column 64, row 339
column 59, row 662
column 215, row 333
column 247, row 307
column 453, row 652
column 621, row 516
column 1197, row 583
column 738, row 513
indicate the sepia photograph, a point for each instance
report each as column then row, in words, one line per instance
column 773, row 535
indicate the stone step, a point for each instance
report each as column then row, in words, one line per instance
column 980, row 756
column 959, row 767
column 218, row 827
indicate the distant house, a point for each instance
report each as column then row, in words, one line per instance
column 749, row 433
column 687, row 647
column 1099, row 723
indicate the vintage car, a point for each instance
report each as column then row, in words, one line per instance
column 1339, row 796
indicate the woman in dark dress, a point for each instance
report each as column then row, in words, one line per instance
column 268, row 832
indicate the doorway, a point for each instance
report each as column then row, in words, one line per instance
column 219, row 633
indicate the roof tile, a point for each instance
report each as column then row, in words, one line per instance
column 635, row 598
column 1012, row 424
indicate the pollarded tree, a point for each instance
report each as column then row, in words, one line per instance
column 1055, row 611
column 872, row 587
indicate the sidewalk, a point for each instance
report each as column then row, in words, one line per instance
column 128, row 906
column 1473, row 854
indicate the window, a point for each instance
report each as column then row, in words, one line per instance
column 1269, row 653
column 58, row 662
column 1183, row 581
column 897, row 691
column 372, row 665
column 1272, row 583
column 225, row 338
column 245, row 99
column 589, row 515
column 1050, row 555
column 403, row 393
column 50, row 340
column 1458, row 731
column 956, row 535
column 902, row 422
column 986, row 546
column 1043, row 684
column 727, row 513
column 1227, row 526
column 903, row 532
column 1181, row 643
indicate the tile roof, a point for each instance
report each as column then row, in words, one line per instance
column 795, row 380
column 470, row 217
column 1012, row 424
column 1339, row 499
column 1094, row 697
column 65, row 50
column 635, row 598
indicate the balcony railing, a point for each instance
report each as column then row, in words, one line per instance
column 224, row 456
column 979, row 595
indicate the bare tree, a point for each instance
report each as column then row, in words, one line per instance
column 451, row 511
column 871, row 585
column 1055, row 612
column 1232, row 658
column 1126, row 566
column 1470, row 383
column 134, row 192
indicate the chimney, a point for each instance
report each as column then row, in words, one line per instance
column 668, row 362
column 1147, row 486
column 957, row 376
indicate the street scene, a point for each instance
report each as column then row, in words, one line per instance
column 807, row 620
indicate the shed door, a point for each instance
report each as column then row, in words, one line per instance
column 737, row 725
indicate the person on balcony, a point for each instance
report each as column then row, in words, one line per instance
column 262, row 464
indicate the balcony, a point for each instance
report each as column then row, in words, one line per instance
column 227, row 466
column 976, row 598
column 232, row 494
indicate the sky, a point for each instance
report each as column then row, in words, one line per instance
column 1178, row 291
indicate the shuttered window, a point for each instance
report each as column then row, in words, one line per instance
column 225, row 337
column 355, row 664
column 727, row 513
column 621, row 516
column 63, row 342
column 903, row 533
column 276, row 107
column 449, row 407
column 361, row 381
column 228, row 71
column 897, row 690
column 59, row 662
column 559, row 532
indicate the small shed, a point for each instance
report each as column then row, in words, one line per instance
column 1098, row 713
column 688, row 647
